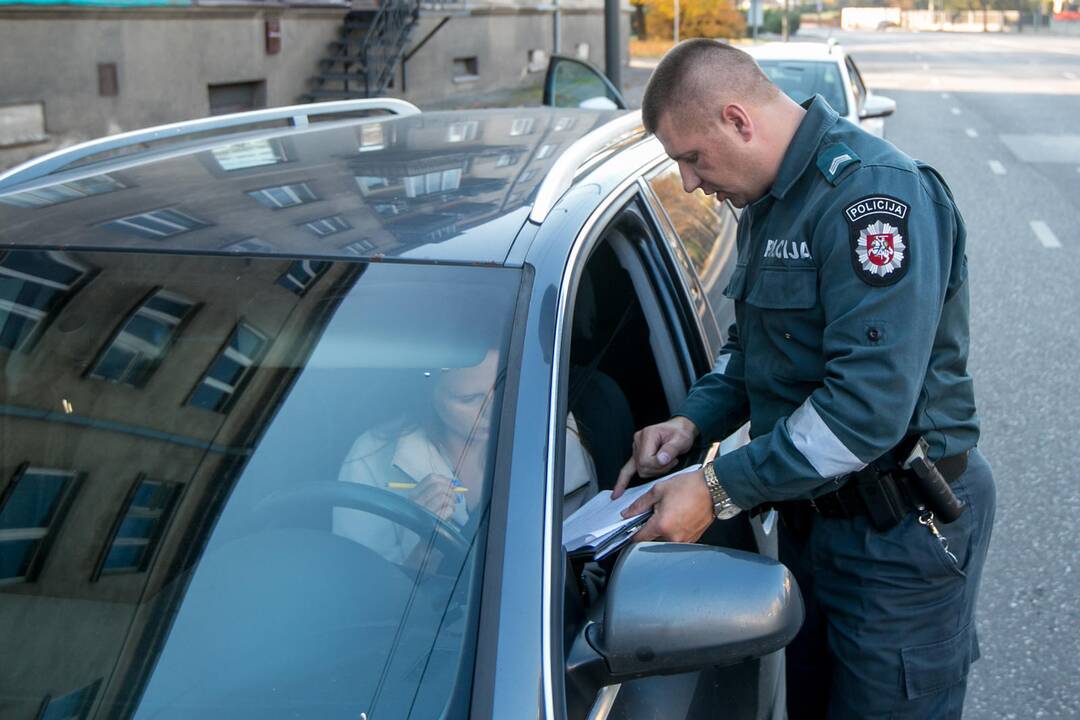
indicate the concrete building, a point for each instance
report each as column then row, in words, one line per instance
column 79, row 71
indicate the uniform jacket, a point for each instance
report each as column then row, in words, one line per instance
column 851, row 330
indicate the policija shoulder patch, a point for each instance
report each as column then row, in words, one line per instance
column 879, row 249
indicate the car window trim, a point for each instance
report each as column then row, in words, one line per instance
column 487, row 634
column 658, row 213
column 590, row 234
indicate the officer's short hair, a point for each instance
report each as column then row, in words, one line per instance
column 687, row 71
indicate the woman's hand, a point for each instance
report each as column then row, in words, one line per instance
column 436, row 493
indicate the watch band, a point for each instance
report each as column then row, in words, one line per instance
column 723, row 506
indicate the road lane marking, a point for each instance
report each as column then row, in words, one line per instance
column 944, row 96
column 956, row 111
column 972, row 133
column 1070, row 75
column 997, row 168
column 1045, row 234
column 925, row 66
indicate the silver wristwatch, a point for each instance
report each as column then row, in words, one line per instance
column 723, row 506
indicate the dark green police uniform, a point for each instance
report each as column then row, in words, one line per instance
column 851, row 335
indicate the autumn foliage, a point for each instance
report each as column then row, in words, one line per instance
column 697, row 18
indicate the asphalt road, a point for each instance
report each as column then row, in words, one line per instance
column 998, row 116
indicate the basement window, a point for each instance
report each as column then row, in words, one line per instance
column 466, row 69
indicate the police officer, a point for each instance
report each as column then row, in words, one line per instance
column 849, row 352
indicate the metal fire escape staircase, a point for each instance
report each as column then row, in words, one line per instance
column 362, row 61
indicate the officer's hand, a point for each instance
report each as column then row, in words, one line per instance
column 656, row 450
column 682, row 509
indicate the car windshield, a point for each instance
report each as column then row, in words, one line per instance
column 802, row 79
column 242, row 487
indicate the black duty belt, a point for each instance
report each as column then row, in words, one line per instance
column 893, row 488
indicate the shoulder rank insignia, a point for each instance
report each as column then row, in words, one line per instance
column 879, row 249
column 834, row 160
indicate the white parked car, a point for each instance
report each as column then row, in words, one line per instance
column 805, row 69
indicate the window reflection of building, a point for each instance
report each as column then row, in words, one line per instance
column 462, row 131
column 302, row 274
column 359, row 248
column 327, row 226
column 505, row 160
column 284, row 196
column 432, row 182
column 34, row 285
column 94, row 547
column 521, row 126
column 136, row 350
column 156, row 224
column 73, row 706
column 249, row 154
column 140, row 527
column 63, row 192
column 252, row 245
column 231, row 369
column 29, row 507
column 563, row 123
column 545, row 150
column 372, row 137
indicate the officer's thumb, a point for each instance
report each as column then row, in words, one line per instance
column 668, row 453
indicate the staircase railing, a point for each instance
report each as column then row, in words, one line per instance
column 385, row 42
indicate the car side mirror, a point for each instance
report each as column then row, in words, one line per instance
column 877, row 106
column 573, row 83
column 673, row 608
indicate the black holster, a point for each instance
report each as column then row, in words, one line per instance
column 885, row 503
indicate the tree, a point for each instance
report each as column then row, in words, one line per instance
column 697, row 18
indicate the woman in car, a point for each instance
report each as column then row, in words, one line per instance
column 438, row 459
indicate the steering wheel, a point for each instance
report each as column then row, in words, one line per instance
column 286, row 508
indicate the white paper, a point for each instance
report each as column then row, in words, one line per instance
column 601, row 517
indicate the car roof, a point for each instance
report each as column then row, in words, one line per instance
column 796, row 51
column 441, row 186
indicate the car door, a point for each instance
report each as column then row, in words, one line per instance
column 666, row 323
column 571, row 82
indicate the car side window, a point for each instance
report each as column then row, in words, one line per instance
column 707, row 231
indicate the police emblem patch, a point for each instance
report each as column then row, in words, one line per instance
column 879, row 250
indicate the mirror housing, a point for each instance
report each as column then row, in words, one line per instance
column 877, row 106
column 674, row 607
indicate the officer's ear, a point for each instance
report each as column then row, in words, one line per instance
column 739, row 120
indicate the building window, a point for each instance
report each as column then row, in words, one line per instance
column 139, row 527
column 536, row 60
column 63, row 192
column 327, row 226
column 521, row 126
column 236, row 97
column 156, row 224
column 302, row 274
column 230, row 371
column 527, row 175
column 140, row 345
column 248, row 245
column 372, row 137
column 73, row 706
column 284, row 196
column 22, row 124
column 462, row 131
column 505, row 160
column 466, row 69
column 34, row 284
column 370, row 183
column 360, row 247
column 29, row 508
column 433, row 182
column 249, row 154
